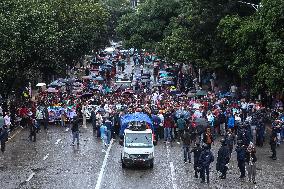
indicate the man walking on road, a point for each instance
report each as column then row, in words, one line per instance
column 103, row 131
column 196, row 154
column 75, row 130
column 223, row 159
column 45, row 117
column 93, row 118
column 3, row 137
column 241, row 154
column 205, row 159
column 273, row 143
column 186, row 146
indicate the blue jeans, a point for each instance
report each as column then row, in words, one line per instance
column 75, row 135
column 104, row 141
column 186, row 153
column 167, row 134
column 108, row 136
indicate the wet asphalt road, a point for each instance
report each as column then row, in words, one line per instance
column 51, row 162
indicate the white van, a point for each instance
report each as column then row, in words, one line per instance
column 138, row 148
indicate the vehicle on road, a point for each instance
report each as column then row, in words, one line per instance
column 137, row 140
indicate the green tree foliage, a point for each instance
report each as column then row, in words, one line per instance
column 42, row 37
column 145, row 27
column 191, row 36
column 116, row 9
column 257, row 44
column 225, row 35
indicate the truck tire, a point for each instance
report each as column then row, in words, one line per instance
column 151, row 166
column 123, row 165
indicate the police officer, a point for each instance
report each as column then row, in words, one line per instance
column 223, row 159
column 205, row 159
column 273, row 143
column 230, row 140
column 241, row 154
column 196, row 154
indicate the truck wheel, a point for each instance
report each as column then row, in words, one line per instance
column 151, row 165
column 123, row 165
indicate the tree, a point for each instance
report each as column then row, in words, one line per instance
column 42, row 37
column 116, row 9
column 144, row 28
column 257, row 44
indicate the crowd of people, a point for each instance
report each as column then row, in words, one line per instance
column 195, row 120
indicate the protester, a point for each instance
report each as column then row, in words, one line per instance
column 223, row 159
column 186, row 146
column 75, row 130
column 241, row 152
column 196, row 155
column 205, row 159
column 251, row 163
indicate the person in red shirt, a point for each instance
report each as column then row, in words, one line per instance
column 168, row 125
column 24, row 115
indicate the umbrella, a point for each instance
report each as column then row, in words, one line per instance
column 86, row 95
column 145, row 77
column 87, row 77
column 169, row 83
column 109, row 49
column 98, row 79
column 201, row 93
column 52, row 90
column 164, row 75
column 128, row 92
column 183, row 113
column 121, row 88
column 157, row 85
column 40, row 84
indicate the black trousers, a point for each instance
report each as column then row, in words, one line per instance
column 3, row 145
column 273, row 149
column 242, row 167
column 224, row 170
column 204, row 169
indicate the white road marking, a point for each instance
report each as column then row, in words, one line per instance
column 173, row 174
column 45, row 157
column 30, row 177
column 57, row 141
column 99, row 181
column 10, row 138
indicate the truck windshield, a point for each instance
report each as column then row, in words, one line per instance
column 141, row 140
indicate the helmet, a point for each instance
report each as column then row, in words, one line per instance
column 223, row 141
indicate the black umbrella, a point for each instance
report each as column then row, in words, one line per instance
column 86, row 95
column 98, row 79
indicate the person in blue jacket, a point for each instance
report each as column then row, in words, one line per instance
column 231, row 122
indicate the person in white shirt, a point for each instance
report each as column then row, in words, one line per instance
column 244, row 108
column 7, row 120
column 161, row 125
column 84, row 112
